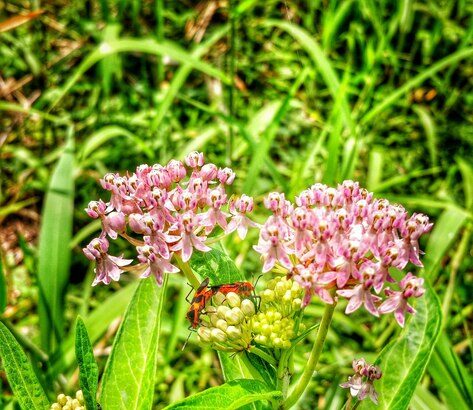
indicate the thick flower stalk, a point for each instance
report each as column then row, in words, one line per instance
column 361, row 383
column 164, row 211
column 343, row 240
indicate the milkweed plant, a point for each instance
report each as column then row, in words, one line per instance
column 339, row 245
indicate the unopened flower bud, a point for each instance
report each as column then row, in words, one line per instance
column 56, row 406
column 222, row 311
column 247, row 307
column 280, row 289
column 233, row 332
column 218, row 335
column 234, row 316
column 80, row 396
column 204, row 334
column 221, row 324
column 233, row 300
column 62, row 399
column 219, row 298
column 268, row 295
column 296, row 304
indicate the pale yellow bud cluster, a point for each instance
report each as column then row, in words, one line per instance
column 226, row 325
column 273, row 326
column 283, row 294
column 68, row 403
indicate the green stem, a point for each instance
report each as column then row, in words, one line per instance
column 159, row 12
column 231, row 99
column 186, row 269
column 313, row 359
column 455, row 265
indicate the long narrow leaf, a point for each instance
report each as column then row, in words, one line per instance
column 88, row 369
column 54, row 252
column 20, row 374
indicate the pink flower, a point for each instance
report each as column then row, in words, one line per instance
column 170, row 212
column 107, row 266
column 240, row 222
column 272, row 245
column 176, row 170
column 209, row 172
column 361, row 383
column 226, row 176
column 96, row 209
column 188, row 239
column 194, row 159
column 215, row 199
column 157, row 265
column 113, row 224
column 361, row 294
column 397, row 302
column 342, row 237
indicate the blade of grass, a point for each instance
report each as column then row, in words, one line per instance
column 107, row 133
column 181, row 75
column 440, row 241
column 322, row 64
column 137, row 45
column 430, row 132
column 391, row 99
column 261, row 152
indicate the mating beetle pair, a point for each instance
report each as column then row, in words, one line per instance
column 205, row 292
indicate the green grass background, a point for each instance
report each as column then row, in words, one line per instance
column 288, row 93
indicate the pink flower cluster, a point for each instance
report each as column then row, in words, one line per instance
column 361, row 383
column 344, row 239
column 174, row 207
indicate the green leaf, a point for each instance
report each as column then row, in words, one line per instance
column 20, row 374
column 232, row 367
column 3, row 288
column 54, row 252
column 215, row 265
column 97, row 322
column 128, row 380
column 231, row 395
column 440, row 240
column 452, row 379
column 88, row 369
column 404, row 360
column 267, row 371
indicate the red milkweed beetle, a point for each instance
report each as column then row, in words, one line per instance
column 201, row 296
column 246, row 289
